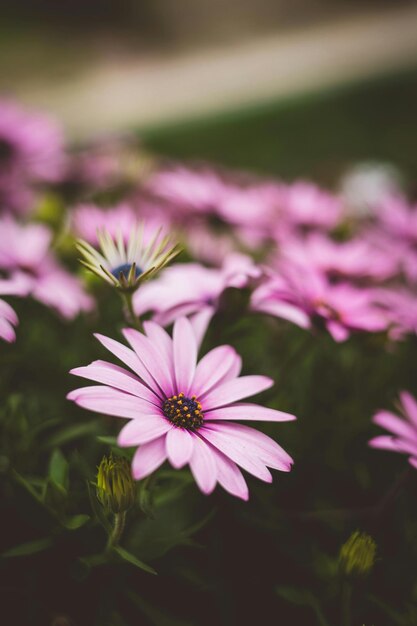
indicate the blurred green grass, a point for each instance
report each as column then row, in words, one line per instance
column 316, row 136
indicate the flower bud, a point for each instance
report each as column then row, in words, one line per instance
column 115, row 485
column 357, row 555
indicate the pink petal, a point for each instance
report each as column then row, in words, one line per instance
column 413, row 461
column 213, row 368
column 410, row 405
column 129, row 358
column 230, row 477
column 114, row 376
column 384, row 442
column 148, row 457
column 338, row 331
column 235, row 369
column 235, row 389
column 259, row 444
column 237, row 451
column 110, row 401
column 395, row 424
column 163, row 343
column 185, row 354
column 200, row 322
column 164, row 318
column 247, row 411
column 143, row 429
column 153, row 361
column 7, row 331
column 288, row 312
column 7, row 312
column 179, row 446
column 203, row 466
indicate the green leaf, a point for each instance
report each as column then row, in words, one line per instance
column 20, row 480
column 109, row 441
column 302, row 597
column 98, row 509
column 66, row 435
column 58, row 469
column 145, row 492
column 31, row 504
column 155, row 614
column 76, row 521
column 25, row 549
column 130, row 558
column 54, row 497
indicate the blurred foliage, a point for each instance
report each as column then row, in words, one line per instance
column 219, row 560
column 316, row 136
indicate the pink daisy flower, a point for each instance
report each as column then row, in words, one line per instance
column 31, row 152
column 307, row 205
column 25, row 249
column 404, row 429
column 306, row 298
column 235, row 198
column 87, row 220
column 189, row 191
column 193, row 290
column 399, row 219
column 356, row 258
column 182, row 410
column 400, row 307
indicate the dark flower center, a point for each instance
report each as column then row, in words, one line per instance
column 125, row 270
column 183, row 411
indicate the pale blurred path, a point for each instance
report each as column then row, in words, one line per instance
column 140, row 91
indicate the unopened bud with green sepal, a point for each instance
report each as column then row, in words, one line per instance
column 116, row 489
column 357, row 555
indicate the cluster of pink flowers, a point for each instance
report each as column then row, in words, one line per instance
column 302, row 254
column 320, row 265
column 26, row 259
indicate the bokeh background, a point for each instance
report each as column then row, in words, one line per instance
column 296, row 88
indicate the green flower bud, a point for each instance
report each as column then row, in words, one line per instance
column 357, row 555
column 115, row 485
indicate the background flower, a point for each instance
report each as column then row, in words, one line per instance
column 404, row 429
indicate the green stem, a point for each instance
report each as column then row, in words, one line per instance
column 346, row 604
column 119, row 526
column 129, row 312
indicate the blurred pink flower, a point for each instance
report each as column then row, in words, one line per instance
column 207, row 245
column 399, row 219
column 189, row 191
column 404, row 429
column 356, row 258
column 87, row 219
column 31, row 152
column 25, row 249
column 306, row 205
column 15, row 286
column 400, row 307
column 244, row 202
column 191, row 289
column 306, row 298
column 179, row 409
